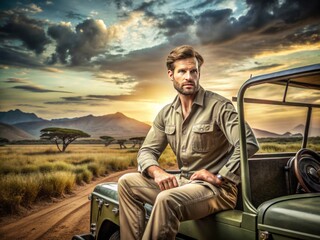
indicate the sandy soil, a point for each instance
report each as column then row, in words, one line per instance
column 59, row 220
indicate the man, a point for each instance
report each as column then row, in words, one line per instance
column 202, row 129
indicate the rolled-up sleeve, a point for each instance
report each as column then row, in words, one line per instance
column 229, row 124
column 153, row 146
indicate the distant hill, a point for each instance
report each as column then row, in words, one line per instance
column 116, row 125
column 13, row 133
column 17, row 116
column 266, row 134
column 314, row 132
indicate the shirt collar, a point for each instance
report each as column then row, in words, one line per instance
column 199, row 99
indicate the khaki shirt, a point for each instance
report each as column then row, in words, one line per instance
column 207, row 139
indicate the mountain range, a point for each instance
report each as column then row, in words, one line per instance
column 18, row 125
column 116, row 125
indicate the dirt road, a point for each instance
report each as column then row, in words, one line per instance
column 59, row 220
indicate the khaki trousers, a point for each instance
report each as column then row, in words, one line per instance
column 191, row 200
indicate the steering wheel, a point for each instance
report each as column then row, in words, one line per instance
column 307, row 169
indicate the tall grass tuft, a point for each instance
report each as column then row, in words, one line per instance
column 82, row 175
column 56, row 184
column 46, row 168
column 29, row 169
column 11, row 193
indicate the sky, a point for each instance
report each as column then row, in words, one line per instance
column 64, row 59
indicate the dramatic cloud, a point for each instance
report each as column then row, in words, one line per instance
column 215, row 26
column 74, row 15
column 263, row 17
column 89, row 39
column 12, row 57
column 17, row 26
column 37, row 89
column 179, row 22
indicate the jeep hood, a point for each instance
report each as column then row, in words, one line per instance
column 107, row 190
column 291, row 215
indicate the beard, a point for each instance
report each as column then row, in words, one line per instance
column 187, row 92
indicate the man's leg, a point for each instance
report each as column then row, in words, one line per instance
column 134, row 190
column 190, row 201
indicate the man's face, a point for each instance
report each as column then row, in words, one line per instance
column 185, row 76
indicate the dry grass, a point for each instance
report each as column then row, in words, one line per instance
column 29, row 173
column 272, row 145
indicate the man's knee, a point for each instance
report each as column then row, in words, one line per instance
column 127, row 179
column 167, row 198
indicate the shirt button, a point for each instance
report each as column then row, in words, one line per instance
column 201, row 129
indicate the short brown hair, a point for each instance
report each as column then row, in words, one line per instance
column 183, row 52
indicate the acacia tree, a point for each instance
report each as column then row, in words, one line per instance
column 137, row 140
column 63, row 136
column 121, row 143
column 3, row 141
column 108, row 140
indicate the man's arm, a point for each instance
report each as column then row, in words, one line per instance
column 229, row 124
column 153, row 146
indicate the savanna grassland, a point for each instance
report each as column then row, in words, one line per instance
column 271, row 145
column 29, row 173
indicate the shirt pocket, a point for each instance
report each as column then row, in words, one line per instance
column 170, row 131
column 202, row 137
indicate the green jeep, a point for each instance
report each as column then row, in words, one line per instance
column 279, row 194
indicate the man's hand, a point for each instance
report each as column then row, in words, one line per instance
column 207, row 176
column 162, row 178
